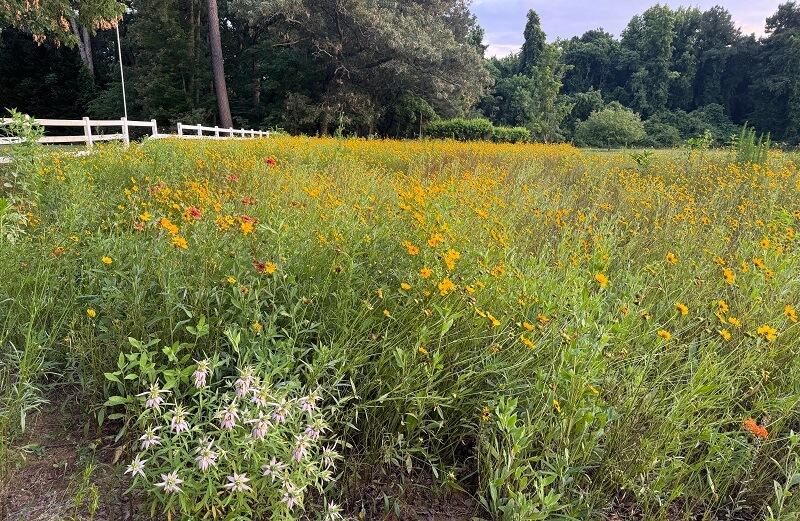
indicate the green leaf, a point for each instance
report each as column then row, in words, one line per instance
column 112, row 377
column 115, row 400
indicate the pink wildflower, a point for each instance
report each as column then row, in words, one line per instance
column 149, row 438
column 171, row 482
column 237, row 483
column 202, row 371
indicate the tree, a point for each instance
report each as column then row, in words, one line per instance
column 217, row 65
column 684, row 58
column 650, row 39
column 716, row 38
column 776, row 91
column 612, row 126
column 591, row 62
column 51, row 18
column 44, row 81
column 368, row 53
column 170, row 74
column 534, row 44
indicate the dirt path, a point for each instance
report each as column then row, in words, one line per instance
column 58, row 471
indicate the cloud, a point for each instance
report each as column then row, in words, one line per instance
column 504, row 20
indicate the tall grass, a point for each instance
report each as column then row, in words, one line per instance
column 506, row 318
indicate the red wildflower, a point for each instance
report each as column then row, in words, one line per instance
column 271, row 161
column 194, row 212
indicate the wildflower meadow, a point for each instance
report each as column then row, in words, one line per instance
column 264, row 327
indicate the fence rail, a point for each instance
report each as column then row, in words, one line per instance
column 89, row 137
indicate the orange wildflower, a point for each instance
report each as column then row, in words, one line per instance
column 756, row 430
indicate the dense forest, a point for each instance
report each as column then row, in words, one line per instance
column 390, row 68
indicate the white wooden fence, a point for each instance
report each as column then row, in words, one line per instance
column 90, row 136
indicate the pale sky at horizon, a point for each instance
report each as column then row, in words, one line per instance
column 504, row 20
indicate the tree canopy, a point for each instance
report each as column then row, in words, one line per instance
column 391, row 67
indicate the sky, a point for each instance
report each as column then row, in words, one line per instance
column 504, row 20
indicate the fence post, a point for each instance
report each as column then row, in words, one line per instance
column 180, row 129
column 155, row 128
column 87, row 132
column 216, row 131
column 126, row 137
column 252, row 133
column 232, row 134
column 267, row 133
column 200, row 129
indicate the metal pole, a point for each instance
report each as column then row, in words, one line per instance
column 121, row 75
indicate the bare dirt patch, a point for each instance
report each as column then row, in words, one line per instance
column 61, row 470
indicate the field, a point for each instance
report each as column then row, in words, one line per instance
column 297, row 327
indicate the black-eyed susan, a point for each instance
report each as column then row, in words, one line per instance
column 729, row 276
column 790, row 313
column 770, row 333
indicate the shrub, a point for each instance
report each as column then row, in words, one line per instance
column 510, row 134
column 611, row 127
column 660, row 135
column 462, row 129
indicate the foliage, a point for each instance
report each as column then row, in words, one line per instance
column 660, row 135
column 247, row 444
column 477, row 129
column 16, row 178
column 510, row 134
column 749, row 149
column 701, row 141
column 612, row 126
column 366, row 54
column 461, row 129
column 687, row 68
column 507, row 319
column 50, row 18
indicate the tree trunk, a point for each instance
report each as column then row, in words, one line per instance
column 84, row 44
column 87, row 49
column 223, row 107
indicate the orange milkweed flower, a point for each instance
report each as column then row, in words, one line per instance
column 756, row 430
